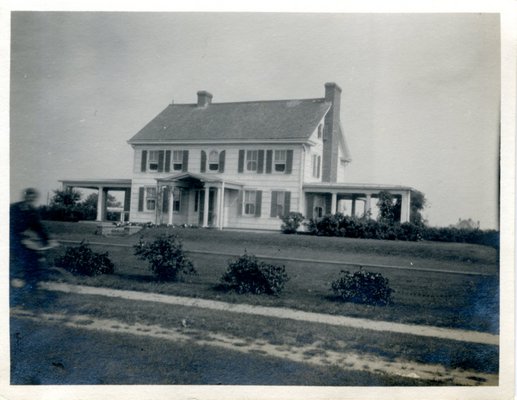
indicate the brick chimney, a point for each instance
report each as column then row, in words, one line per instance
column 203, row 98
column 331, row 133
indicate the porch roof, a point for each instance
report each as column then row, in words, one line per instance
column 203, row 178
column 97, row 183
column 354, row 188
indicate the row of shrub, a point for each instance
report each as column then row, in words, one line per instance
column 365, row 228
column 73, row 213
column 167, row 260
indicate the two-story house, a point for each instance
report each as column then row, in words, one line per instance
column 242, row 165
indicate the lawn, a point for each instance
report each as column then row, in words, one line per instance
column 432, row 298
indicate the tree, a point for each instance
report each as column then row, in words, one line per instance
column 91, row 201
column 66, row 197
column 417, row 204
column 387, row 207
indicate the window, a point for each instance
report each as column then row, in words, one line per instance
column 280, row 160
column 280, row 203
column 176, row 204
column 150, row 198
column 177, row 160
column 316, row 166
column 213, row 161
column 250, row 197
column 152, row 162
column 318, row 212
column 251, row 160
column 320, row 131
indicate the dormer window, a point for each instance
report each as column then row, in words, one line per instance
column 152, row 163
column 213, row 161
column 280, row 160
column 320, row 131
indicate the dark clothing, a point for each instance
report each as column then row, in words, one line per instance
column 24, row 262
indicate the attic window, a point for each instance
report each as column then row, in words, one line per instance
column 152, row 163
column 320, row 131
column 213, row 161
column 177, row 160
column 280, row 160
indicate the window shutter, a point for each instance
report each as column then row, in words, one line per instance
column 165, row 207
column 310, row 206
column 260, row 163
column 144, row 161
column 239, row 202
column 241, row 161
column 168, row 161
column 203, row 161
column 185, row 161
column 161, row 155
column 269, row 161
column 222, row 156
column 287, row 203
column 258, row 203
column 328, row 204
column 274, row 195
column 141, row 199
column 289, row 162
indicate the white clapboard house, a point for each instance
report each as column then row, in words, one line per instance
column 241, row 165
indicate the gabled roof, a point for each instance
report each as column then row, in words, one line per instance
column 287, row 120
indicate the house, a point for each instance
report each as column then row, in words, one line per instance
column 242, row 165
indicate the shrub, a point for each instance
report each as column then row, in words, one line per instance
column 248, row 275
column 362, row 287
column 83, row 261
column 165, row 256
column 291, row 222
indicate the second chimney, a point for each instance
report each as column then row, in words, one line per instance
column 203, row 98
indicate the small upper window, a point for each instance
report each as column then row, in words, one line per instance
column 251, row 160
column 177, row 160
column 280, row 160
column 152, row 162
column 316, row 165
column 213, row 161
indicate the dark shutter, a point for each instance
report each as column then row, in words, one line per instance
column 269, row 161
column 168, row 161
column 161, row 156
column 141, row 192
column 239, row 202
column 185, row 161
column 222, row 156
column 258, row 203
column 310, row 205
column 260, row 163
column 287, row 203
column 144, row 161
column 165, row 206
column 241, row 161
column 289, row 162
column 203, row 161
column 328, row 204
column 274, row 195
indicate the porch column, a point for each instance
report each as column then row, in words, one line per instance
column 127, row 203
column 333, row 204
column 353, row 206
column 100, row 204
column 405, row 208
column 218, row 208
column 205, row 207
column 368, row 205
column 171, row 205
column 221, row 214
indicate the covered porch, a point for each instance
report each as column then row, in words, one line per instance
column 351, row 199
column 103, row 186
column 194, row 199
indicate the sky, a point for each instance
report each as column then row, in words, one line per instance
column 419, row 107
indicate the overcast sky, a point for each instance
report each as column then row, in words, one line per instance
column 420, row 102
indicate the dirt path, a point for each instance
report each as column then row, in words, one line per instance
column 285, row 313
column 310, row 354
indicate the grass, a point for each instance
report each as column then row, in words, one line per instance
column 458, row 301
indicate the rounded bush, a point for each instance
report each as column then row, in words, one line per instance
column 362, row 287
column 248, row 275
column 165, row 256
column 291, row 222
column 83, row 261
